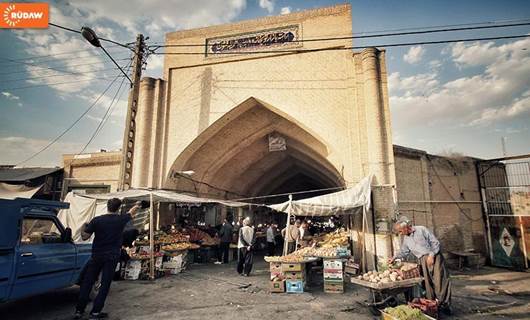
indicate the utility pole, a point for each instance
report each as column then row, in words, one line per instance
column 129, row 135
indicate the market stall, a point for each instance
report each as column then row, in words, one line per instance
column 332, row 248
column 174, row 244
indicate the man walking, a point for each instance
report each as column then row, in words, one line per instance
column 420, row 242
column 108, row 230
column 226, row 238
column 244, row 245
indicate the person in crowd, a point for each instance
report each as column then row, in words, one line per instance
column 246, row 241
column 291, row 234
column 108, row 230
column 225, row 235
column 420, row 242
column 305, row 235
column 271, row 239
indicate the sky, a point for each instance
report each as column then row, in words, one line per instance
column 444, row 99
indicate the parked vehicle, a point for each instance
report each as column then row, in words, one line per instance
column 37, row 253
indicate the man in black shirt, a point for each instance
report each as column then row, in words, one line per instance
column 108, row 230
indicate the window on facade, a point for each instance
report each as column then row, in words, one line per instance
column 39, row 231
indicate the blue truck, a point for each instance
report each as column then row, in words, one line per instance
column 37, row 253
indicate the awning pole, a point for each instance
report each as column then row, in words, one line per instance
column 287, row 225
column 151, row 238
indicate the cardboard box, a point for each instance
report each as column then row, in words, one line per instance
column 132, row 270
column 287, row 267
column 294, row 286
column 332, row 264
column 333, row 274
column 277, row 275
column 331, row 286
column 275, row 267
column 277, row 286
column 294, row 275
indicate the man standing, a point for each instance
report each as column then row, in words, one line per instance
column 271, row 240
column 420, row 242
column 246, row 240
column 291, row 234
column 108, row 230
column 226, row 238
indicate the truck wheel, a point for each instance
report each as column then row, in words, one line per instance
column 95, row 288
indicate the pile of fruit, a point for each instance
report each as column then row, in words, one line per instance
column 174, row 238
column 381, row 277
column 144, row 255
column 180, row 246
column 339, row 238
column 404, row 312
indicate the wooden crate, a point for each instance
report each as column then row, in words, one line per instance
column 277, row 286
column 287, row 267
column 294, row 275
column 331, row 286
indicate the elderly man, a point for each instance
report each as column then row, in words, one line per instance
column 420, row 242
column 246, row 240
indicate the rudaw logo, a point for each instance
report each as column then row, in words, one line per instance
column 24, row 15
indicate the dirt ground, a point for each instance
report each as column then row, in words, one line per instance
column 217, row 292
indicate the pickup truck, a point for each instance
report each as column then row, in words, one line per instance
column 37, row 253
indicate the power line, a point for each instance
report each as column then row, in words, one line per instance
column 380, row 35
column 57, row 75
column 79, row 32
column 103, row 119
column 51, row 68
column 72, row 125
column 59, row 54
column 60, row 83
column 353, row 47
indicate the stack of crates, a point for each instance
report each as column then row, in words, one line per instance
column 294, row 274
column 277, row 278
column 333, row 276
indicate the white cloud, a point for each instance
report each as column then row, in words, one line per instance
column 267, row 5
column 497, row 93
column 414, row 55
column 285, row 10
column 155, row 65
column 10, row 96
column 16, row 149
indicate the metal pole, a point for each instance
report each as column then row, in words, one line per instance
column 287, row 225
column 151, row 239
column 523, row 242
column 130, row 123
column 488, row 227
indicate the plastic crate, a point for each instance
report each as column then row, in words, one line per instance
column 294, row 286
column 332, row 274
column 332, row 264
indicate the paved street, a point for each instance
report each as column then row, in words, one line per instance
column 217, row 292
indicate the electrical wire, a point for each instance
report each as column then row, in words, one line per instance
column 60, row 83
column 79, row 32
column 56, row 75
column 48, row 68
column 103, row 119
column 380, row 35
column 71, row 126
column 402, row 44
column 38, row 58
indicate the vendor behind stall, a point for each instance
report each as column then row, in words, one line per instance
column 291, row 234
column 305, row 235
column 420, row 242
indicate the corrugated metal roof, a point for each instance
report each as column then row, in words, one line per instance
column 23, row 174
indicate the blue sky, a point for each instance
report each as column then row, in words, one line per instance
column 444, row 98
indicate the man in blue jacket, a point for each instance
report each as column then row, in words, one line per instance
column 108, row 230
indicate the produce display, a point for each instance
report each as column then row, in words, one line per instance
column 143, row 255
column 338, row 238
column 404, row 312
column 180, row 246
column 174, row 238
column 381, row 277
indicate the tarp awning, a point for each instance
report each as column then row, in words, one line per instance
column 341, row 202
column 12, row 191
column 22, row 174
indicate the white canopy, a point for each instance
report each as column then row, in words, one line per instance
column 84, row 207
column 341, row 202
